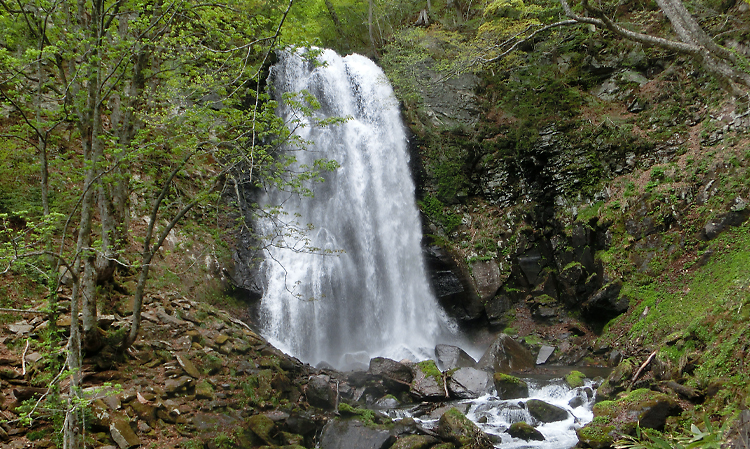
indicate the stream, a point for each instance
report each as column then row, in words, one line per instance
column 494, row 415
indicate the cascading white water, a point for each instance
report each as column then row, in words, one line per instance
column 373, row 298
column 494, row 415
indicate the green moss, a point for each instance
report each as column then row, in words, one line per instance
column 366, row 416
column 532, row 340
column 575, row 379
column 596, row 435
column 429, row 369
column 436, row 211
column 589, row 212
column 507, row 378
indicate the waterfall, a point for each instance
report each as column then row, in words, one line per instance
column 370, row 297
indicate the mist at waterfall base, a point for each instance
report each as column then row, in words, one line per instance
column 370, row 295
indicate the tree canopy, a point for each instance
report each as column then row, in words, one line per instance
column 115, row 109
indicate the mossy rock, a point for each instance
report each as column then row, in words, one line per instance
column 649, row 409
column 263, row 427
column 617, row 380
column 415, row 442
column 444, row 446
column 456, row 428
column 428, row 382
column 575, row 379
column 204, row 390
column 510, row 387
column 367, row 417
column 430, row 369
column 524, row 431
column 596, row 436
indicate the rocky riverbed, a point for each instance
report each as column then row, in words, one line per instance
column 198, row 377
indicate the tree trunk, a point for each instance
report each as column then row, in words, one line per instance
column 693, row 41
column 334, row 16
column 369, row 22
column 423, row 20
column 71, row 426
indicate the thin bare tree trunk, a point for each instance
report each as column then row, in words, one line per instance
column 369, row 22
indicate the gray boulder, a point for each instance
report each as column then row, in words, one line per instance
column 487, row 278
column 544, row 354
column 505, row 355
column 450, row 357
column 353, row 434
column 545, row 412
column 319, row 392
column 391, row 369
column 428, row 384
column 469, row 383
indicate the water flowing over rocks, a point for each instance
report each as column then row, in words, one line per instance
column 545, row 412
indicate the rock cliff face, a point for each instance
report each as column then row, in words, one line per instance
column 551, row 202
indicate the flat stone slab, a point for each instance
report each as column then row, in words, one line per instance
column 544, row 354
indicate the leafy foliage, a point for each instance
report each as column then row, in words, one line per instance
column 709, row 438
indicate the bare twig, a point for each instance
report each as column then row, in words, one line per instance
column 638, row 373
column 4, row 309
column 23, row 358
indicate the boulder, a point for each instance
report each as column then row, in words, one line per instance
column 510, row 387
column 524, row 431
column 188, row 366
column 396, row 376
column 505, row 355
column 428, row 382
column 606, row 303
column 544, row 354
column 643, row 407
column 455, row 427
column 545, row 412
column 415, row 442
column 469, row 383
column 496, row 307
column 452, row 284
column 176, row 386
column 348, row 434
column 204, row 390
column 451, row 357
column 531, row 264
column 263, row 427
column 575, row 379
column 651, row 408
column 123, row 435
column 319, row 393
column 387, row 402
column 144, row 411
column 487, row 279
column 303, row 422
column 617, row 381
